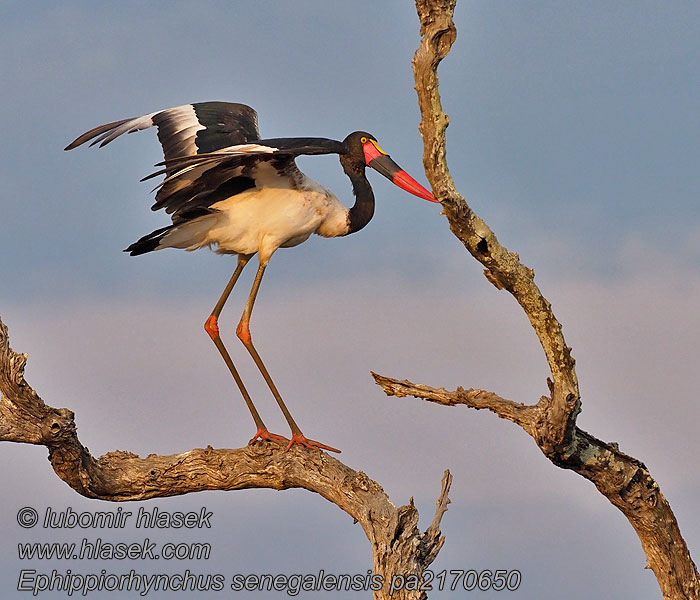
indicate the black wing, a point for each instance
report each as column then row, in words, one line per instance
column 195, row 182
column 187, row 129
column 211, row 152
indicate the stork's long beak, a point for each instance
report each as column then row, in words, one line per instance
column 381, row 162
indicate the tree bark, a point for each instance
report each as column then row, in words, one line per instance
column 399, row 548
column 551, row 422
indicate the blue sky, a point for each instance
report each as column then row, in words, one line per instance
column 574, row 133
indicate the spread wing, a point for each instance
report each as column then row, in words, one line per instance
column 196, row 182
column 212, row 151
column 185, row 130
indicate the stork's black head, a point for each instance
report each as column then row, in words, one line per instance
column 364, row 151
column 354, row 143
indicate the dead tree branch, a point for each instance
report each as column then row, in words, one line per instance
column 398, row 547
column 624, row 480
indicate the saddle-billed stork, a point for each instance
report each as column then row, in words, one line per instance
column 225, row 187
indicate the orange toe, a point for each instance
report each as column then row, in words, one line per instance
column 301, row 439
column 264, row 434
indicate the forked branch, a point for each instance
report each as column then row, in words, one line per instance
column 624, row 480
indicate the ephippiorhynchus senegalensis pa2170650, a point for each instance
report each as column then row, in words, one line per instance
column 227, row 188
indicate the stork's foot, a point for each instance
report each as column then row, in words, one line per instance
column 299, row 438
column 264, row 434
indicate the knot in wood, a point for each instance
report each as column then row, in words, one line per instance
column 361, row 482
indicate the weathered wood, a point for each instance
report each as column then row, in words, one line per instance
column 624, row 480
column 398, row 546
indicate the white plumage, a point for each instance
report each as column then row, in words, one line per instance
column 261, row 220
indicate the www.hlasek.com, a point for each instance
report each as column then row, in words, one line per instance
column 83, row 583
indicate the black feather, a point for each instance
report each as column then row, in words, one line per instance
column 149, row 242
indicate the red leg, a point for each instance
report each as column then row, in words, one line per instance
column 243, row 333
column 211, row 326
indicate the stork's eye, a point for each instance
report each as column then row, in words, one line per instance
column 363, row 140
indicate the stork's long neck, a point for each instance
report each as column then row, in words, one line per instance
column 362, row 211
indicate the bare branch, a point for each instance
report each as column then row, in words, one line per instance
column 503, row 268
column 433, row 533
column 624, row 480
column 506, row 409
column 398, row 547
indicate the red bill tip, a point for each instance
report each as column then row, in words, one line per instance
column 406, row 182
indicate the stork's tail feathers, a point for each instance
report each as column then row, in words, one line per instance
column 188, row 234
column 149, row 242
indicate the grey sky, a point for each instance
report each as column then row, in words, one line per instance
column 574, row 134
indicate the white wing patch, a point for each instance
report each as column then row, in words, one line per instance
column 248, row 149
column 203, row 162
column 178, row 126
